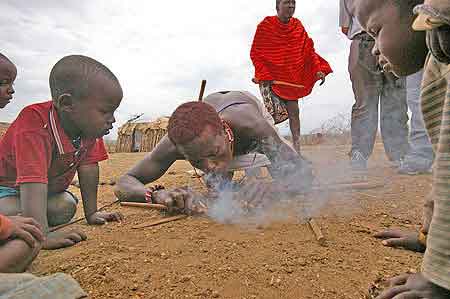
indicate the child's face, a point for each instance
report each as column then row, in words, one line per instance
column 401, row 49
column 94, row 115
column 8, row 73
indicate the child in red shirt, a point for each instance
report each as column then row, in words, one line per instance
column 49, row 142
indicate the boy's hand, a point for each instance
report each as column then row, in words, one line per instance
column 99, row 218
column 397, row 238
column 27, row 229
column 413, row 286
column 56, row 240
column 438, row 41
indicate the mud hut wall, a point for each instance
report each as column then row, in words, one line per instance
column 151, row 139
column 124, row 143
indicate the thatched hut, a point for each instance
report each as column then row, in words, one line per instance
column 3, row 128
column 141, row 136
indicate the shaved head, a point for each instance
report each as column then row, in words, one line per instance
column 3, row 57
column 75, row 74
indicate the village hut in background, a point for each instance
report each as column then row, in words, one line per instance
column 141, row 136
column 3, row 128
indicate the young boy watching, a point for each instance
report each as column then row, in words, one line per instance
column 8, row 73
column 20, row 238
column 389, row 22
column 50, row 141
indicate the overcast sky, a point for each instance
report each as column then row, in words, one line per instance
column 161, row 50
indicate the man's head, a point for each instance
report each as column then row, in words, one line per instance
column 198, row 133
column 400, row 48
column 285, row 9
column 86, row 94
column 8, row 73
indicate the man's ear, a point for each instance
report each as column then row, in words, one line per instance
column 65, row 102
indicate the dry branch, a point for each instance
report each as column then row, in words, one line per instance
column 161, row 221
column 144, row 205
column 317, row 231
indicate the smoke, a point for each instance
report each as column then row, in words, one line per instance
column 257, row 202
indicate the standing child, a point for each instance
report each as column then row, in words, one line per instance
column 49, row 142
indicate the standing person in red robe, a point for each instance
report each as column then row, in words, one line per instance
column 283, row 51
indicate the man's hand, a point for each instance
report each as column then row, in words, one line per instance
column 265, row 82
column 56, row 240
column 397, row 238
column 321, row 76
column 413, row 286
column 177, row 200
column 27, row 229
column 438, row 41
column 99, row 218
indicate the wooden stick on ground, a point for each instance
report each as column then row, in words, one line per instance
column 317, row 231
column 161, row 221
column 202, row 91
column 144, row 205
column 344, row 186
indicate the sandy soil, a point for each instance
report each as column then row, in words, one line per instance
column 200, row 258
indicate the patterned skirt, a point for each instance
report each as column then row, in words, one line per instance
column 274, row 104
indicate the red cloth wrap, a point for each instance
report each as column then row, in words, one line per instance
column 285, row 52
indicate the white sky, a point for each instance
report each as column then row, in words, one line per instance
column 161, row 50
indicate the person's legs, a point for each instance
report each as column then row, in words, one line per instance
column 366, row 83
column 61, row 207
column 394, row 118
column 16, row 256
column 420, row 155
column 294, row 122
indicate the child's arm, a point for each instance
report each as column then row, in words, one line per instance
column 89, row 177
column 33, row 198
column 21, row 238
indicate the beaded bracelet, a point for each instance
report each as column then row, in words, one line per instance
column 150, row 191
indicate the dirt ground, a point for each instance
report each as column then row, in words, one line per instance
column 200, row 258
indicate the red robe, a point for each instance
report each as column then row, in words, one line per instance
column 285, row 52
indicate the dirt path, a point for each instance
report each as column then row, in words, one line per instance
column 200, row 258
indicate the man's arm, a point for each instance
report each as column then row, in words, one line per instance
column 287, row 167
column 344, row 17
column 131, row 186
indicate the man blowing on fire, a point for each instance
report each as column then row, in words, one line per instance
column 211, row 135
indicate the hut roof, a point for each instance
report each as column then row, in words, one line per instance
column 160, row 123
